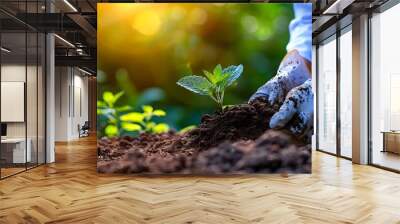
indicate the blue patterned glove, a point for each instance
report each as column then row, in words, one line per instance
column 299, row 102
column 292, row 72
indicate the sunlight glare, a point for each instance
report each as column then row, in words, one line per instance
column 147, row 23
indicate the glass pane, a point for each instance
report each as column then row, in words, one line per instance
column 13, row 86
column 385, row 84
column 327, row 97
column 32, row 96
column 41, row 98
column 346, row 94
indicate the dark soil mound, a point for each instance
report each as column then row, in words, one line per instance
column 148, row 153
column 239, row 122
column 223, row 143
column 273, row 152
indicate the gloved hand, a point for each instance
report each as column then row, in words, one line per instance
column 293, row 71
column 299, row 102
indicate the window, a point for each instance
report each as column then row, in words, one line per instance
column 22, row 88
column 346, row 92
column 327, row 96
column 385, row 89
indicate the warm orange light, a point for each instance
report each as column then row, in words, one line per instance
column 147, row 23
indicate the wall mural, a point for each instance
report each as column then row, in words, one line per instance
column 194, row 88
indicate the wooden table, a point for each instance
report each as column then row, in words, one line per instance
column 391, row 141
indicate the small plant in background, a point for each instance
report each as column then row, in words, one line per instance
column 107, row 108
column 119, row 119
column 215, row 84
column 142, row 122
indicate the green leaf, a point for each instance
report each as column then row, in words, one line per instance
column 150, row 125
column 108, row 97
column 218, row 70
column 196, row 84
column 118, row 95
column 159, row 113
column 233, row 72
column 219, row 76
column 187, row 128
column 210, row 77
column 132, row 117
column 123, row 108
column 101, row 103
column 147, row 108
column 105, row 111
column 111, row 130
column 111, row 119
column 130, row 127
column 160, row 128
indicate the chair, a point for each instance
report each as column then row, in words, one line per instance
column 84, row 129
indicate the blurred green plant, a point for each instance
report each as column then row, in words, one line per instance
column 111, row 112
column 215, row 84
column 142, row 122
column 118, row 120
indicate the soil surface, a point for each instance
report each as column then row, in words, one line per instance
column 233, row 140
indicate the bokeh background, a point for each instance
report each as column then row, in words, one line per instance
column 145, row 48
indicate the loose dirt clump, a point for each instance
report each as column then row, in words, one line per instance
column 147, row 153
column 239, row 122
column 273, row 152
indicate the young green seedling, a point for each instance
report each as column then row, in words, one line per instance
column 215, row 84
column 107, row 107
column 129, row 122
column 142, row 122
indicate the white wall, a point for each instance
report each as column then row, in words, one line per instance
column 71, row 102
column 62, row 81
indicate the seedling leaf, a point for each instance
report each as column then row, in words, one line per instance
column 132, row 117
column 130, row 127
column 147, row 108
column 196, row 84
column 111, row 130
column 101, row 104
column 118, row 95
column 210, row 77
column 233, row 72
column 108, row 97
column 218, row 70
column 160, row 128
column 217, row 81
column 150, row 125
column 159, row 113
column 123, row 108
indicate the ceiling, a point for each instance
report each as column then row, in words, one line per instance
column 76, row 22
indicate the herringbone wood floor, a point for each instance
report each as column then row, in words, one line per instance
column 70, row 191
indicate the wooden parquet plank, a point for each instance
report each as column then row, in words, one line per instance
column 70, row 191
